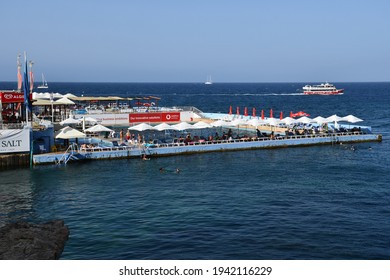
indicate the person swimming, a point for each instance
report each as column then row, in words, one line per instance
column 164, row 170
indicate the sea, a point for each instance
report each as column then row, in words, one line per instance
column 302, row 203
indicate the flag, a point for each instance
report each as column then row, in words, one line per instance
column 26, row 86
column 31, row 80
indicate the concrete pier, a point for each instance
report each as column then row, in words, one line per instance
column 9, row 161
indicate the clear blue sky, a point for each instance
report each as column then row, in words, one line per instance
column 185, row 41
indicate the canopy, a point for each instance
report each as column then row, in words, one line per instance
column 288, row 120
column 182, row 126
column 69, row 133
column 220, row 123
column 351, row 119
column 98, row 128
column 162, row 126
column 255, row 122
column 69, row 120
column 272, row 121
column 201, row 125
column 90, row 120
column 334, row 118
column 320, row 120
column 64, row 101
column 238, row 122
column 141, row 127
column 304, row 119
column 42, row 102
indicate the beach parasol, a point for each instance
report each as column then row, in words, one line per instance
column 141, row 127
column 98, row 128
column 220, row 123
column 304, row 119
column 69, row 133
column 201, row 125
column 351, row 119
column 272, row 121
column 69, row 121
column 182, row 126
column 288, row 120
column 163, row 126
column 320, row 120
column 64, row 101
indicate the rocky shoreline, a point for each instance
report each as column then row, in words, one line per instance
column 26, row 241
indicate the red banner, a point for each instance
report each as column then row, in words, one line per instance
column 11, row 97
column 154, row 117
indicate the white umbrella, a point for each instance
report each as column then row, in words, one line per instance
column 90, row 120
column 69, row 133
column 70, row 95
column 220, row 123
column 98, row 128
column 201, row 125
column 304, row 119
column 351, row 119
column 163, row 126
column 69, row 120
column 288, row 120
column 255, row 122
column 320, row 120
column 334, row 118
column 272, row 121
column 64, row 101
column 237, row 122
column 141, row 127
column 182, row 126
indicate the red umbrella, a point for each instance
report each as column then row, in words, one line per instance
column 271, row 113
column 281, row 115
column 245, row 111
column 238, row 110
column 254, row 112
column 230, row 110
column 262, row 114
column 300, row 114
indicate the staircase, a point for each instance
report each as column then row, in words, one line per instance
column 72, row 153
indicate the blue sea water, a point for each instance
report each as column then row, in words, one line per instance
column 322, row 202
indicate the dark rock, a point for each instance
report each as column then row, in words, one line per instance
column 25, row 241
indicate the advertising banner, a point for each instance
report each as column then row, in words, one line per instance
column 14, row 140
column 11, row 97
column 154, row 117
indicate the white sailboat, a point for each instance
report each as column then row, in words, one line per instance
column 208, row 81
column 44, row 83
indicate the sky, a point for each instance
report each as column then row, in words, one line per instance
column 186, row 41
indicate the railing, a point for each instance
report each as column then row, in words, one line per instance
column 70, row 151
column 146, row 147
